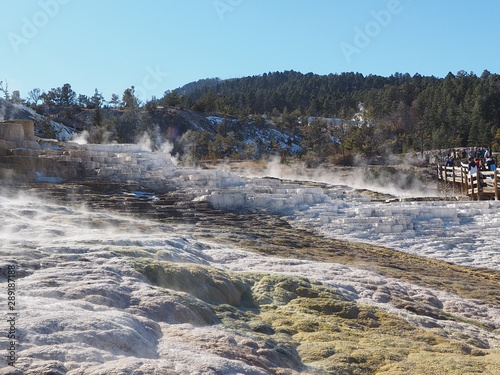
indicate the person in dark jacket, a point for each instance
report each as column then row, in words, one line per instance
column 491, row 164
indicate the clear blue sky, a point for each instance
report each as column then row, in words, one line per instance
column 159, row 45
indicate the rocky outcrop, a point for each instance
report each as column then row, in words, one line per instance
column 28, row 127
column 17, row 133
column 20, row 114
column 12, row 132
column 25, row 157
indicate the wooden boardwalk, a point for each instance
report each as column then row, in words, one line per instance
column 481, row 185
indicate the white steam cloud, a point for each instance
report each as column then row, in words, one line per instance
column 81, row 138
column 399, row 180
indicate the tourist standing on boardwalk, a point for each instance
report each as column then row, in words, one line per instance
column 448, row 161
column 480, row 153
column 472, row 153
column 486, row 153
column 490, row 163
column 472, row 166
column 480, row 164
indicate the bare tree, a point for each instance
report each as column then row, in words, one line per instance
column 5, row 89
column 34, row 96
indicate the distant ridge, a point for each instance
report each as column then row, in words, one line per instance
column 193, row 86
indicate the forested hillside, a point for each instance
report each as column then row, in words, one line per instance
column 411, row 112
column 316, row 118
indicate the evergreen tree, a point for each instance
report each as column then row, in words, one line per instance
column 82, row 101
column 172, row 98
column 316, row 138
column 196, row 144
column 129, row 100
column 97, row 99
column 67, row 95
column 126, row 126
column 115, row 100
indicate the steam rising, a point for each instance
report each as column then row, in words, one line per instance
column 83, row 305
column 399, row 180
column 81, row 138
column 103, row 293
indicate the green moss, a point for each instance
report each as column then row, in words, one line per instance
column 131, row 252
column 313, row 352
column 280, row 290
column 206, row 283
column 261, row 327
column 197, row 311
column 330, row 333
column 445, row 364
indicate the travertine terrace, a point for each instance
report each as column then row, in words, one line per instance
column 25, row 157
column 172, row 270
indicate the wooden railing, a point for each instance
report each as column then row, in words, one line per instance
column 479, row 185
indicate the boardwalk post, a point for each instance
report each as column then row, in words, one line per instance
column 463, row 185
column 479, row 185
column 470, row 177
column 453, row 178
column 495, row 184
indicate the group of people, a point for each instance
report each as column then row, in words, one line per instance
column 478, row 153
column 479, row 159
column 481, row 164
